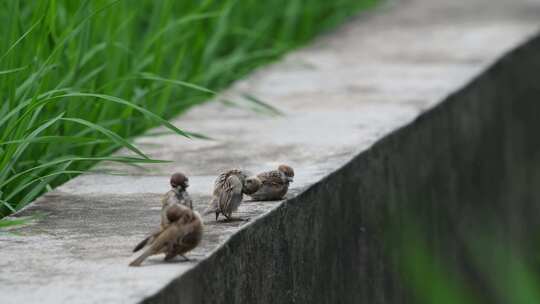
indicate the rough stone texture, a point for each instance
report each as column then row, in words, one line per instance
column 373, row 136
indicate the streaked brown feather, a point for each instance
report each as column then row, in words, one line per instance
column 272, row 177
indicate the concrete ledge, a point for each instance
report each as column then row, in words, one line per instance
column 372, row 135
column 472, row 163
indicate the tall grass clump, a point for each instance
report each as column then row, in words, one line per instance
column 78, row 79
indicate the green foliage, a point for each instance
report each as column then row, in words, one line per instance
column 7, row 223
column 494, row 273
column 78, row 79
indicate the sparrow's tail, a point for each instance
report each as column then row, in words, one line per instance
column 158, row 243
column 138, row 261
column 141, row 244
column 148, row 240
column 213, row 206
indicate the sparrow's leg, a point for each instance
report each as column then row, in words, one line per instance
column 217, row 215
column 169, row 256
column 170, row 253
column 185, row 258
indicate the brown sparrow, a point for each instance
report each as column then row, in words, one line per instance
column 274, row 184
column 177, row 195
column 181, row 235
column 229, row 189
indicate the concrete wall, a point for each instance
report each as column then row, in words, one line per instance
column 471, row 164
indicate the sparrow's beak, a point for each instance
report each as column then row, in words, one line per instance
column 290, row 179
column 186, row 184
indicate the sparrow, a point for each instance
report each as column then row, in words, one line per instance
column 229, row 188
column 181, row 235
column 274, row 184
column 177, row 195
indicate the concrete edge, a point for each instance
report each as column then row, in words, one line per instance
column 185, row 289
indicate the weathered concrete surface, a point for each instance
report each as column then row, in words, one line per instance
column 370, row 137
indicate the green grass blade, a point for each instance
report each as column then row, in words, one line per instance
column 8, row 205
column 13, row 222
column 111, row 135
column 52, row 140
column 119, row 159
column 129, row 104
column 149, row 76
column 10, row 71
column 7, row 164
column 32, row 27
column 265, row 106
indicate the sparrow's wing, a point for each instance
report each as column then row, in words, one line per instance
column 192, row 234
column 232, row 192
column 219, row 184
column 271, row 178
